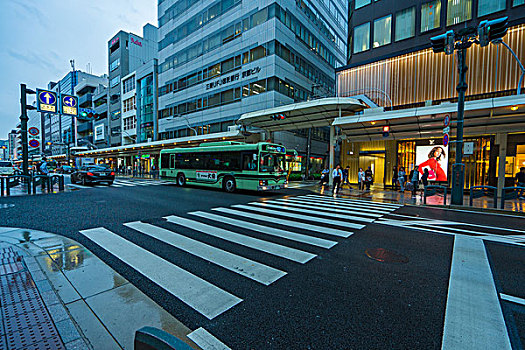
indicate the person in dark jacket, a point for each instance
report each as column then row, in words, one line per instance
column 369, row 178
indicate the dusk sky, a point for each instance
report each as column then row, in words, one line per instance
column 39, row 38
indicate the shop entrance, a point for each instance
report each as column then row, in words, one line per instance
column 376, row 161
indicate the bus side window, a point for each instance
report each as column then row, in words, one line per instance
column 172, row 161
column 248, row 162
column 165, row 161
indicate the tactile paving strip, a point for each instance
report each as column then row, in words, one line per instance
column 11, row 268
column 53, row 343
column 16, row 282
column 23, row 338
column 3, row 343
column 15, row 295
column 31, row 319
column 22, row 307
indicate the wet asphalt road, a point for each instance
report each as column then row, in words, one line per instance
column 341, row 299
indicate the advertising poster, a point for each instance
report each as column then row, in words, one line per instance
column 435, row 159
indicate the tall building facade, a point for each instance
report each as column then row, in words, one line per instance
column 126, row 53
column 411, row 89
column 220, row 59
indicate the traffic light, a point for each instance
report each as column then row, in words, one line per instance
column 443, row 43
column 386, row 130
column 492, row 30
column 279, row 116
column 83, row 114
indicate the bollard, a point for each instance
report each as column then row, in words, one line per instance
column 34, row 184
column 150, row 338
column 61, row 183
column 7, row 189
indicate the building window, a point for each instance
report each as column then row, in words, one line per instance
column 486, row 7
column 405, row 23
column 114, row 65
column 115, row 81
column 361, row 3
column 518, row 2
column 128, row 104
column 362, row 37
column 129, row 84
column 383, row 31
column 430, row 15
column 130, row 123
column 458, row 11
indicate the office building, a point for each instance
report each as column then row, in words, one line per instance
column 11, row 137
column 126, row 53
column 100, row 124
column 411, row 90
column 220, row 59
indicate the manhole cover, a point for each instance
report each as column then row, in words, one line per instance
column 6, row 205
column 385, row 255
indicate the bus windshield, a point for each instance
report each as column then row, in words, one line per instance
column 271, row 163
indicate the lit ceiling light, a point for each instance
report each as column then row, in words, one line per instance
column 373, row 123
column 514, row 108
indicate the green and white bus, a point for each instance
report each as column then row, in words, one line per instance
column 228, row 165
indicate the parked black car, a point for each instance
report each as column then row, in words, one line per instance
column 93, row 174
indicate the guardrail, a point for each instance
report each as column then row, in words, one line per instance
column 434, row 190
column 47, row 182
column 511, row 193
column 484, row 191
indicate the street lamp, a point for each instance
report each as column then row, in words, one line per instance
column 460, row 41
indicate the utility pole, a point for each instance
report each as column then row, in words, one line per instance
column 23, row 129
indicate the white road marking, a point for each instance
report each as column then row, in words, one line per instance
column 122, row 183
column 512, row 299
column 336, row 206
column 243, row 266
column 204, row 297
column 302, row 217
column 206, row 341
column 247, row 241
column 357, row 201
column 319, row 242
column 288, row 207
column 300, row 185
column 331, row 208
column 77, row 186
column 473, row 317
column 295, row 224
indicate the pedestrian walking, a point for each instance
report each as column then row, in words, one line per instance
column 394, row 178
column 361, row 179
column 414, row 178
column 424, row 179
column 337, row 176
column 43, row 170
column 325, row 176
column 401, row 179
column 369, row 178
column 520, row 182
column 346, row 173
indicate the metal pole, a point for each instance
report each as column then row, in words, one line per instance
column 308, row 147
column 23, row 129
column 458, row 169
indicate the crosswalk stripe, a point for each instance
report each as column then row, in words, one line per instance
column 319, row 242
column 295, row 224
column 204, row 297
column 370, row 204
column 243, row 266
column 206, row 341
column 77, row 186
column 338, row 206
column 333, row 209
column 116, row 185
column 473, row 316
column 247, row 241
column 122, row 183
column 285, row 206
column 512, row 299
column 302, row 217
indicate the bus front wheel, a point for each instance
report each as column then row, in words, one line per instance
column 229, row 184
column 181, row 180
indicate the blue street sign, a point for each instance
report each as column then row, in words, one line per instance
column 445, row 140
column 69, row 105
column 46, row 101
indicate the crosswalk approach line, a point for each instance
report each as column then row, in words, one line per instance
column 302, row 217
column 295, row 224
column 240, row 265
column 206, row 341
column 297, row 237
column 122, row 183
column 301, row 209
column 381, row 205
column 473, row 315
column 338, row 206
column 204, row 297
column 247, row 241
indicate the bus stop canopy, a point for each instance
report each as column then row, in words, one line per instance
column 302, row 115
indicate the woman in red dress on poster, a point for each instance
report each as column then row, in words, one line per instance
column 436, row 173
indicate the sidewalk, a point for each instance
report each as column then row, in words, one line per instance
column 57, row 294
column 377, row 193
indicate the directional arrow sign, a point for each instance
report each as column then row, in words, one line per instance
column 46, row 101
column 69, row 105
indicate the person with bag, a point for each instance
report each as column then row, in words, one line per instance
column 337, row 175
column 414, row 178
column 369, row 178
column 361, row 179
column 401, row 178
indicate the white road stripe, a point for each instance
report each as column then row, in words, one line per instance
column 206, row 341
column 288, row 207
column 319, row 242
column 473, row 316
column 247, row 241
column 295, row 224
column 302, row 217
column 204, row 297
column 243, row 266
column 352, row 204
column 333, row 208
column 357, row 201
column 357, row 207
column 115, row 185
column 77, row 186
column 512, row 299
column 122, row 183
